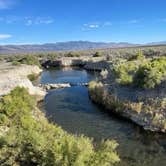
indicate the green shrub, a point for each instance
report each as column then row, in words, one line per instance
column 125, row 71
column 32, row 77
column 24, row 59
column 30, row 60
column 143, row 73
column 16, row 63
column 151, row 74
column 97, row 54
column 138, row 56
column 34, row 141
column 72, row 54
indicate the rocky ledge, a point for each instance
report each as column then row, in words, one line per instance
column 88, row 63
column 13, row 76
column 54, row 86
column 60, row 85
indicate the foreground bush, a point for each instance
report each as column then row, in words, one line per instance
column 31, row 140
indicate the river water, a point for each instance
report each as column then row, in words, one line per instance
column 72, row 109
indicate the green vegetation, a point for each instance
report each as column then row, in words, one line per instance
column 101, row 96
column 146, row 111
column 72, row 54
column 151, row 73
column 32, row 77
column 97, row 54
column 125, row 70
column 31, row 140
column 138, row 56
column 27, row 59
column 16, row 63
column 140, row 71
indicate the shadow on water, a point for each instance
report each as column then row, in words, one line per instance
column 72, row 109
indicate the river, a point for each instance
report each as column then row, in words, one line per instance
column 72, row 109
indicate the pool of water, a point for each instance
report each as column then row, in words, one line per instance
column 72, row 109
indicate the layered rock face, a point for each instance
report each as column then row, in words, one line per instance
column 88, row 63
column 13, row 76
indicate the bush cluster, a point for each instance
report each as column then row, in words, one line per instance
column 33, row 141
column 141, row 72
column 27, row 59
column 151, row 74
column 124, row 71
column 72, row 54
column 97, row 54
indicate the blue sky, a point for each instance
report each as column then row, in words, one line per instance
column 47, row 21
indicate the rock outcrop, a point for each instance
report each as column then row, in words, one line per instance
column 60, row 85
column 54, row 86
column 88, row 63
column 97, row 66
column 13, row 76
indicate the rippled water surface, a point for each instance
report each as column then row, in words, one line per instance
column 72, row 109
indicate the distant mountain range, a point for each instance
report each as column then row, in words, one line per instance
column 65, row 46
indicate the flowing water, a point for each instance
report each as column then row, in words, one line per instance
column 72, row 109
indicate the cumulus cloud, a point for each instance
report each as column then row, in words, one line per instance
column 5, row 36
column 7, row 4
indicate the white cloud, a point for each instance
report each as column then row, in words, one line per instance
column 7, row 4
column 27, row 20
column 37, row 20
column 93, row 26
column 90, row 26
column 43, row 20
column 5, row 36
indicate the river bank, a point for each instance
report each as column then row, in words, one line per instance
column 148, row 113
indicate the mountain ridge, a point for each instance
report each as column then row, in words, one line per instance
column 66, row 46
